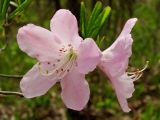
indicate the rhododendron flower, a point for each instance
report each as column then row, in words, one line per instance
column 63, row 56
column 114, row 64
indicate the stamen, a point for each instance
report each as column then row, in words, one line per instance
column 137, row 74
column 64, row 65
column 145, row 67
column 139, row 71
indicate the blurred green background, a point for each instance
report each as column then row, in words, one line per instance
column 103, row 105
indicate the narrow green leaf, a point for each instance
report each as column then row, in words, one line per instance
column 95, row 13
column 20, row 8
column 5, row 8
column 1, row 5
column 22, row 0
column 100, row 21
column 99, row 40
column 19, row 2
column 82, row 19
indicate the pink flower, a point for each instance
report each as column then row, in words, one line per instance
column 62, row 57
column 114, row 64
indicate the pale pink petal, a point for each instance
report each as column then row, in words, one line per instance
column 64, row 24
column 89, row 56
column 124, row 88
column 34, row 84
column 123, row 103
column 38, row 42
column 117, row 55
column 75, row 90
column 116, row 58
column 128, row 26
column 114, row 64
column 77, row 40
column 125, row 31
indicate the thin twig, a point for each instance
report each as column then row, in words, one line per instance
column 5, row 93
column 11, row 76
column 5, row 26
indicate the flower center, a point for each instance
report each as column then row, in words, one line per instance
column 62, row 66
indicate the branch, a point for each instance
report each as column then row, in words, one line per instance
column 11, row 76
column 5, row 26
column 11, row 93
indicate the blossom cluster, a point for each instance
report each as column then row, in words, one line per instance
column 63, row 56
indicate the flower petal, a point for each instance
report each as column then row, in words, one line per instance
column 114, row 63
column 128, row 26
column 34, row 84
column 116, row 58
column 38, row 42
column 124, row 88
column 117, row 55
column 75, row 90
column 125, row 32
column 64, row 24
column 88, row 62
column 77, row 40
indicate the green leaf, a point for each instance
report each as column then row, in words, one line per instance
column 82, row 19
column 5, row 8
column 20, row 8
column 92, row 27
column 20, row 1
column 100, row 22
column 95, row 13
column 99, row 40
column 1, row 21
column 1, row 5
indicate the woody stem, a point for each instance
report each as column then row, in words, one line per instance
column 5, row 93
